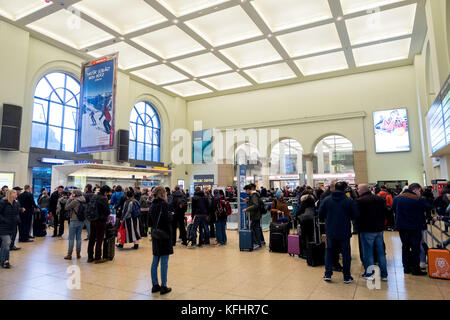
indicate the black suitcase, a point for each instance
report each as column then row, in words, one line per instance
column 109, row 248
column 39, row 225
column 315, row 250
column 278, row 237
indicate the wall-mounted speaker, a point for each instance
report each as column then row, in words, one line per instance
column 123, row 145
column 10, row 130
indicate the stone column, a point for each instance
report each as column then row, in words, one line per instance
column 360, row 167
column 309, row 169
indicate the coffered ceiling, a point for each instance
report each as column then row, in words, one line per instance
column 203, row 48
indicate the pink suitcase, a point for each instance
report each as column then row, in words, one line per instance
column 294, row 243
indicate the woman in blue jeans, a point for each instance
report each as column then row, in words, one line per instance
column 75, row 208
column 9, row 217
column 162, row 248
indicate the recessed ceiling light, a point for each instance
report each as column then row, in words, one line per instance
column 195, row 79
column 175, row 21
column 339, row 18
column 164, row 61
column 212, row 49
column 122, row 38
column 269, row 35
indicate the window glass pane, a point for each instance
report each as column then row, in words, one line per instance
column 134, row 115
column 38, row 135
column 156, row 154
column 148, row 152
column 40, row 111
column 140, row 151
column 156, row 123
column 140, row 107
column 43, row 89
column 55, row 97
column 71, row 99
column 132, row 132
column 55, row 117
column 156, row 134
column 140, row 133
column 70, row 118
column 150, row 110
column 72, row 85
column 132, row 150
column 148, row 135
column 68, row 140
column 54, row 138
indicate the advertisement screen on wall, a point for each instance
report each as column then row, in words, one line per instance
column 98, row 103
column 202, row 146
column 391, row 130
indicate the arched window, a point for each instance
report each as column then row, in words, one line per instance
column 145, row 133
column 55, row 112
column 333, row 155
column 286, row 158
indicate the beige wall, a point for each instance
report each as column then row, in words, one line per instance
column 326, row 107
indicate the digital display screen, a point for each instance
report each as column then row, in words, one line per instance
column 202, row 146
column 391, row 130
column 439, row 119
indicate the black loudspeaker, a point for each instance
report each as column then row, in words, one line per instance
column 11, row 124
column 123, row 145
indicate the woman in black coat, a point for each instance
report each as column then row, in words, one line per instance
column 9, row 217
column 162, row 248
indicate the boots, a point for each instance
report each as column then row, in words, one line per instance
column 69, row 255
column 78, row 254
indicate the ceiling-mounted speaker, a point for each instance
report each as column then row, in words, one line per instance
column 123, row 146
column 10, row 130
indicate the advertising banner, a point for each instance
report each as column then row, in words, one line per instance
column 202, row 146
column 98, row 103
column 242, row 180
column 391, row 131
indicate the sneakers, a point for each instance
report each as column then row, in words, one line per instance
column 327, row 278
column 384, row 279
column 6, row 265
column 256, row 247
column 348, row 280
column 369, row 277
column 423, row 265
column 14, row 248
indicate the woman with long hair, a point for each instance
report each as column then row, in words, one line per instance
column 161, row 239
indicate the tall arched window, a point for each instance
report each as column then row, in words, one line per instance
column 145, row 133
column 286, row 158
column 55, row 112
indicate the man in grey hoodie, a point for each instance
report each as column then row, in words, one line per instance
column 75, row 207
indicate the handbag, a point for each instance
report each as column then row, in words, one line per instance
column 121, row 234
column 159, row 234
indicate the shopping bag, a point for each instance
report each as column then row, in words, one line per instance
column 121, row 234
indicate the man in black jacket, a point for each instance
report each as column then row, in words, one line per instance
column 98, row 227
column 338, row 211
column 200, row 215
column 53, row 203
column 88, row 194
column 179, row 207
column 370, row 224
column 26, row 201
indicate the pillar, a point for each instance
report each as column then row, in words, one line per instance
column 320, row 162
column 309, row 169
column 360, row 167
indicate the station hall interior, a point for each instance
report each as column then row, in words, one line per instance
column 295, row 92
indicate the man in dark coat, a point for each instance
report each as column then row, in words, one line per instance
column 27, row 202
column 9, row 218
column 179, row 208
column 98, row 227
column 53, row 203
column 200, row 215
column 370, row 224
column 338, row 211
column 410, row 208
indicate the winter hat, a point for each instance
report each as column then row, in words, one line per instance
column 278, row 194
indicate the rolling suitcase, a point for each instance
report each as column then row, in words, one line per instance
column 438, row 258
column 315, row 250
column 294, row 242
column 109, row 248
column 39, row 225
column 190, row 233
column 278, row 237
column 246, row 238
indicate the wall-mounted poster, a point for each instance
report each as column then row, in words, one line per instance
column 7, row 179
column 98, row 104
column 202, row 146
column 391, row 130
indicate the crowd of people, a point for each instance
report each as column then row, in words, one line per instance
column 159, row 213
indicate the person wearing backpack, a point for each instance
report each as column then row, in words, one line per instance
column 75, row 208
column 131, row 219
column 61, row 212
column 98, row 212
column 254, row 211
column 222, row 211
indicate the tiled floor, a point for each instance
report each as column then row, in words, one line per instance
column 40, row 272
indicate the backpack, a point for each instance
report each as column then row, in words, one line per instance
column 261, row 207
column 81, row 212
column 135, row 210
column 92, row 210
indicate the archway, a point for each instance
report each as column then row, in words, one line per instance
column 287, row 166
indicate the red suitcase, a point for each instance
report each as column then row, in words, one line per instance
column 294, row 243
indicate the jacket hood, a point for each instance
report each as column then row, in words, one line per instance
column 81, row 199
column 338, row 195
column 305, row 197
column 177, row 193
column 409, row 194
